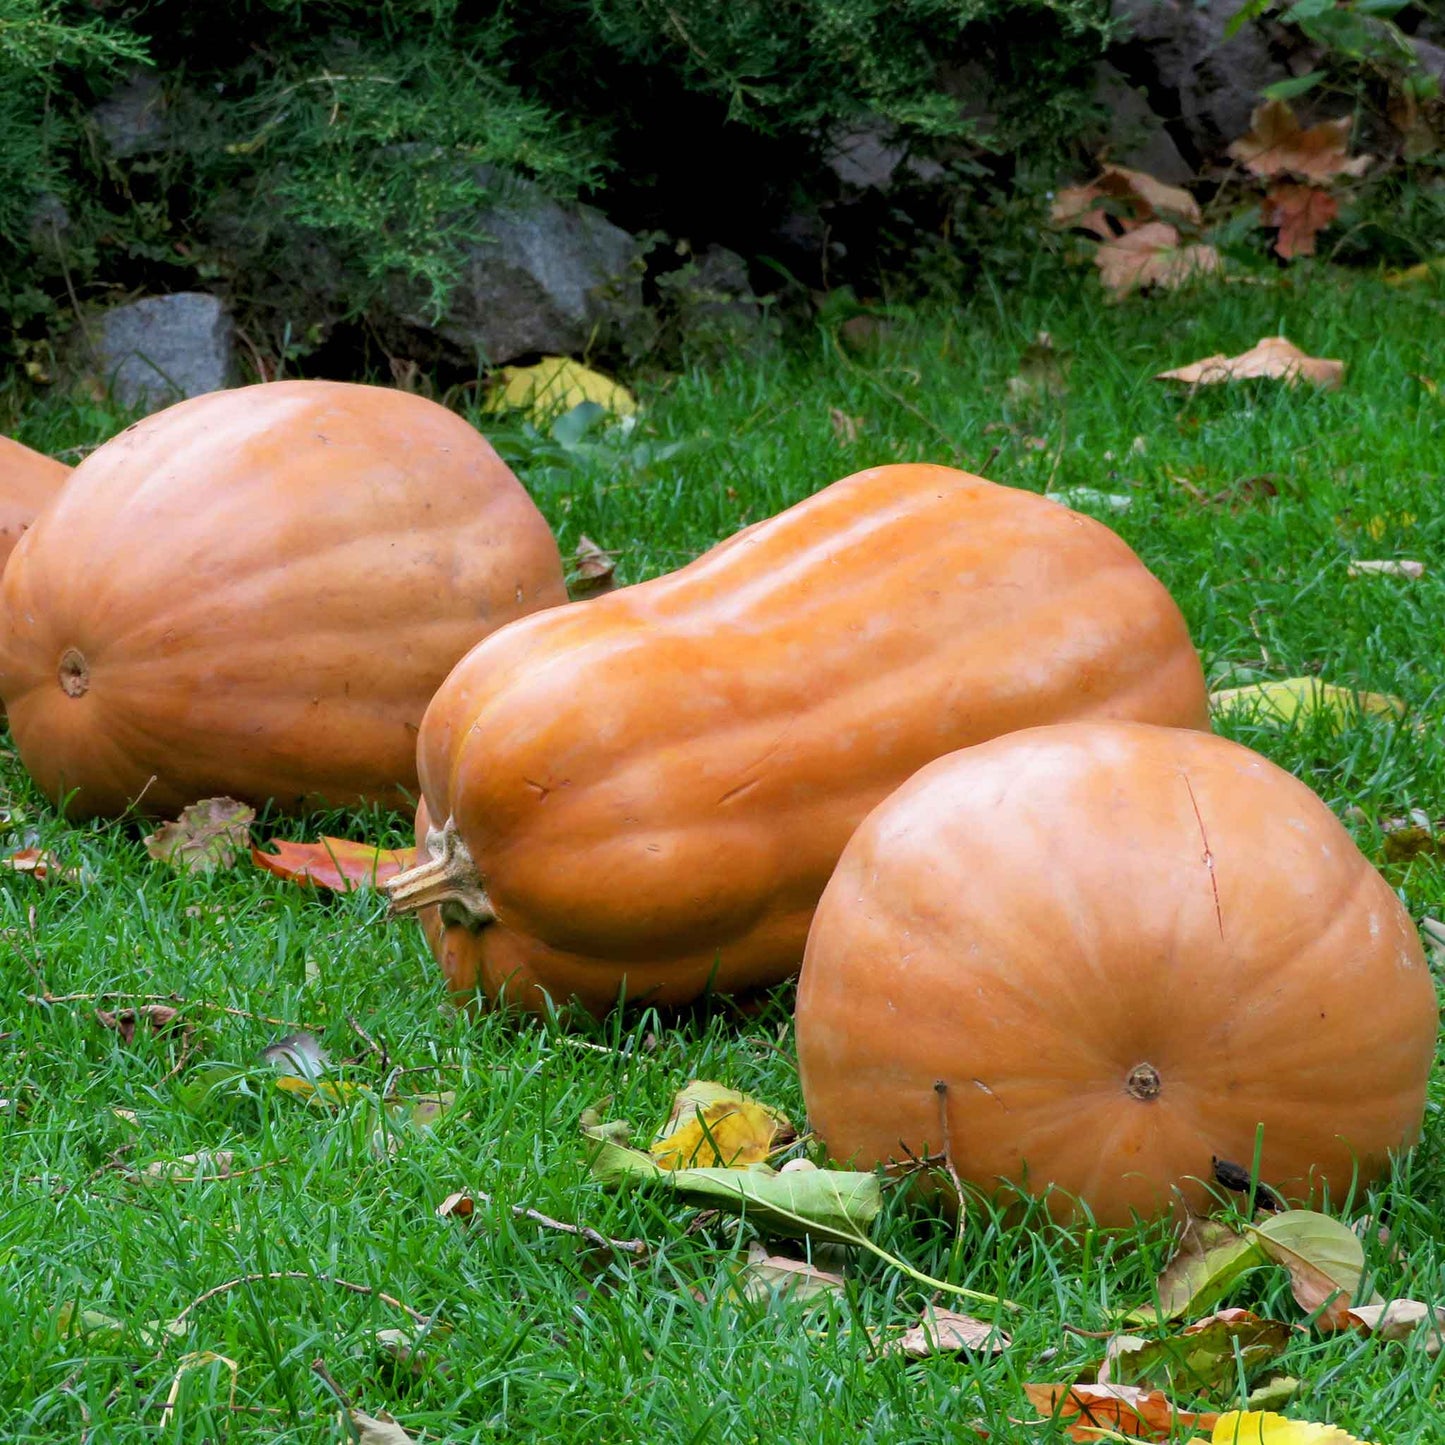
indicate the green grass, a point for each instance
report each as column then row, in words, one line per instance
column 549, row 1338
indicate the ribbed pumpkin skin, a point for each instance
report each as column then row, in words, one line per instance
column 655, row 786
column 1031, row 920
column 28, row 481
column 263, row 588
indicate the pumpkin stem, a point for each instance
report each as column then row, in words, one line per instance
column 448, row 878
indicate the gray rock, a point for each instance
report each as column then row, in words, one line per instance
column 1134, row 135
column 1430, row 58
column 161, row 349
column 550, row 278
column 866, row 157
column 1177, row 49
column 132, row 118
column 712, row 305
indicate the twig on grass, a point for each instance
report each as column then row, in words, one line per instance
column 346, row 1284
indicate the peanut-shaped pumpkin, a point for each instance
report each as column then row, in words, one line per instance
column 255, row 593
column 1090, row 960
column 28, row 481
column 644, row 795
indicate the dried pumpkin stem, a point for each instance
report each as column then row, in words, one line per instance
column 448, row 877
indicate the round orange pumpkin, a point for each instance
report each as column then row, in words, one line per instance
column 255, row 593
column 645, row 795
column 28, row 481
column 1113, row 953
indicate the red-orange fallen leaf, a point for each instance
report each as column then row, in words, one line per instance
column 1300, row 212
column 1271, row 356
column 1151, row 256
column 1276, row 143
column 335, row 863
column 1128, row 1410
column 42, row 865
column 457, row 1206
column 1137, row 198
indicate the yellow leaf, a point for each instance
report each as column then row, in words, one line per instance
column 1295, row 700
column 713, row 1126
column 555, row 385
column 1260, row 1427
column 320, row 1092
column 1423, row 272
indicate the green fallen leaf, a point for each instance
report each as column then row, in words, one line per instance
column 804, row 1203
column 1325, row 1259
column 1211, row 1258
column 1207, row 1355
column 1295, row 701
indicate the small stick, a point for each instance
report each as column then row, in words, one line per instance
column 174, row 999
column 637, row 1247
column 370, row 1042
column 940, row 1088
column 346, row 1284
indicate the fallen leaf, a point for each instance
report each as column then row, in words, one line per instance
column 1253, row 1427
column 1276, row 144
column 332, row 1094
column 1300, row 213
column 1204, row 1356
column 593, row 571
column 833, row 1204
column 1152, row 256
column 403, row 1348
column 712, row 1125
column 1408, row 1320
column 212, row 1164
column 1139, row 1414
column 1297, row 700
column 845, row 428
column 457, row 1206
column 335, row 863
column 158, row 1018
column 1388, row 567
column 946, row 1332
column 1271, row 356
column 380, row 1429
column 44, row 867
column 1210, row 1258
column 1324, row 1257
column 207, row 836
column 767, row 1277
column 1136, row 197
column 1273, row 1393
column 555, row 385
column 1424, row 271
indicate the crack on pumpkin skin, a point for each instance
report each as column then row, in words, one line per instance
column 1208, row 855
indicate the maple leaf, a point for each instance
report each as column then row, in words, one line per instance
column 1151, row 256
column 1271, row 356
column 1300, row 212
column 1276, row 143
column 206, row 836
column 1139, row 198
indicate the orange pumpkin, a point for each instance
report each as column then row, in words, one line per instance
column 645, row 795
column 255, row 593
column 1119, row 951
column 28, row 481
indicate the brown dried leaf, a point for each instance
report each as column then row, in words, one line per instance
column 457, row 1206
column 1402, row 1319
column 945, row 1332
column 1152, row 256
column 208, row 1164
column 379, row 1429
column 1137, row 198
column 1392, row 567
column 43, row 866
column 845, row 428
column 593, row 570
column 208, row 835
column 1276, row 144
column 158, row 1017
column 1271, row 356
column 1139, row 1414
column 766, row 1277
column 1300, row 213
